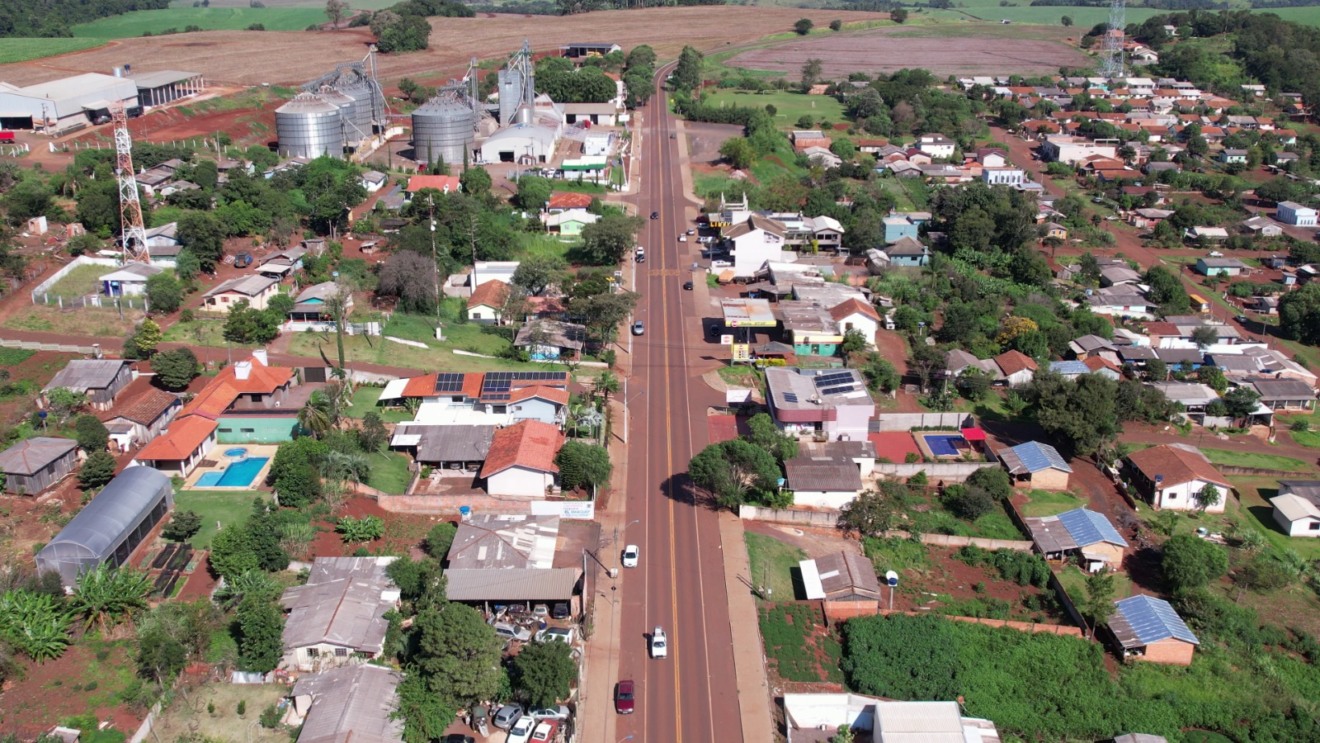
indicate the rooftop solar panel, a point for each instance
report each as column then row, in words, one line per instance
column 449, row 382
column 790, row 396
column 837, row 390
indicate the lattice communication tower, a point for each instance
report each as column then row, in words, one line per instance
column 133, row 234
column 1113, row 63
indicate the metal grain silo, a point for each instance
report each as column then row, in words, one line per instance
column 511, row 94
column 357, row 127
column 443, row 128
column 309, row 126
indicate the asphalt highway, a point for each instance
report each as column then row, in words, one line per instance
column 679, row 583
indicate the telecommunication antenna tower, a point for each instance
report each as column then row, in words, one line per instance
column 1112, row 68
column 133, row 235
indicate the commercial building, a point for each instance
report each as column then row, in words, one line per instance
column 66, row 104
column 128, row 281
column 1290, row 212
column 110, row 526
column 524, row 144
column 508, row 558
column 825, row 404
column 167, row 86
column 1072, row 150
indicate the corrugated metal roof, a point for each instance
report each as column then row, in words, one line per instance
column 511, row 584
column 1141, row 620
column 30, row 456
column 162, row 77
column 343, row 603
column 1033, row 456
column 81, row 375
column 354, row 703
column 1088, row 527
column 502, row 541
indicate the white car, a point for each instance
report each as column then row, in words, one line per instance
column 659, row 643
column 631, row 554
column 721, row 264
column 682, row 238
column 521, row 732
column 556, row 634
column 550, row 713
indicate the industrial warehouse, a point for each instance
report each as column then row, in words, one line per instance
column 71, row 103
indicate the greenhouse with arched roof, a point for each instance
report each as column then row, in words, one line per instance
column 110, row 526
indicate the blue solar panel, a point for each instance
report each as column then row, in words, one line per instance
column 1069, row 367
column 1087, row 527
column 790, row 397
column 1154, row 619
column 838, row 390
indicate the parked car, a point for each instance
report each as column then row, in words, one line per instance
column 556, row 634
column 721, row 264
column 659, row 643
column 624, row 703
column 638, row 328
column 521, row 731
column 512, row 632
column 508, row 714
column 545, row 731
column 458, row 738
column 561, row 610
column 631, row 554
column 550, row 713
column 682, row 238
column 691, row 231
column 541, row 610
column 242, row 260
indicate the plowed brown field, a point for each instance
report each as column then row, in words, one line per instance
column 251, row 58
column 963, row 49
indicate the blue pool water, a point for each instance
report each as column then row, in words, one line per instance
column 237, row 452
column 943, row 445
column 237, row 475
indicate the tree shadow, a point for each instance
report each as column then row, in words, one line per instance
column 1143, row 567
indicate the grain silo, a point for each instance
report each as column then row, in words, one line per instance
column 360, row 89
column 309, row 126
column 511, row 94
column 443, row 128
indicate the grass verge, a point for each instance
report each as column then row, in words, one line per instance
column 774, row 565
column 1231, row 458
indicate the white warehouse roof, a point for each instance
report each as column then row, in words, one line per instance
column 66, row 96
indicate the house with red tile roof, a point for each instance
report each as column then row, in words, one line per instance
column 855, row 314
column 521, row 460
column 141, row 415
column 490, row 398
column 561, row 200
column 1017, row 368
column 441, row 183
column 486, row 305
column 185, row 443
column 1170, row 476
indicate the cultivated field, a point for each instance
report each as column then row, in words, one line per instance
column 21, row 50
column 962, row 49
column 140, row 22
column 292, row 57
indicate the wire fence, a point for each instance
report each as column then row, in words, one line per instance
column 91, row 300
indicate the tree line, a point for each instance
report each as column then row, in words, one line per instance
column 53, row 18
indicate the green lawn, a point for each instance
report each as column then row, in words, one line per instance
column 203, row 331
column 1074, row 582
column 774, row 565
column 1251, row 459
column 79, row 282
column 540, row 244
column 462, row 335
column 389, row 472
column 364, row 401
column 1046, row 503
column 140, row 22
column 380, row 351
column 896, row 554
column 11, row 357
column 215, row 506
column 1309, row 438
column 22, row 50
column 789, row 106
column 1256, row 512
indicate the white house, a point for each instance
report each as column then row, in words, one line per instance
column 1171, row 475
column 1290, row 212
column 1003, row 176
column 826, row 404
column 1297, row 507
column 755, row 241
column 129, row 280
column 823, row 481
column 937, row 146
column 486, row 305
column 854, row 314
column 1065, row 148
column 163, row 244
column 521, row 460
column 374, row 180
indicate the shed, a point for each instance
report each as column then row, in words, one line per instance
column 356, row 703
column 1037, row 465
column 110, row 526
column 823, row 481
column 1080, row 531
column 1147, row 628
column 33, row 465
column 128, row 281
column 842, row 576
column 99, row 379
column 1297, row 507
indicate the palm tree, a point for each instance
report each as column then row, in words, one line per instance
column 338, row 465
column 606, row 384
column 317, row 415
column 106, row 595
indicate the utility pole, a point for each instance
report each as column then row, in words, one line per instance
column 435, row 264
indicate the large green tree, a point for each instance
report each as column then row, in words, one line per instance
column 1299, row 314
column 735, row 471
column 202, row 235
column 1191, row 562
column 583, row 465
column 261, row 629
column 544, row 672
column 608, row 240
column 460, row 652
column 175, row 369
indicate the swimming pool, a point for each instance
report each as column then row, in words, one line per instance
column 238, row 474
column 943, row 444
column 237, row 452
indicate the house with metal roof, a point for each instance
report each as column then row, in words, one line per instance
column 1147, row 628
column 1082, row 533
column 1037, row 465
column 99, row 379
column 1283, row 394
column 503, row 558
column 111, row 526
column 256, row 290
column 129, row 280
column 551, row 339
column 32, row 465
column 446, row 447
column 1297, row 507
column 840, row 576
column 338, row 616
column 163, row 246
column 1171, row 475
column 355, row 703
column 312, row 303
column 65, row 104
column 823, row 481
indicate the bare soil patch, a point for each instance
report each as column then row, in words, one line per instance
column 945, row 584
column 290, row 57
column 977, row 52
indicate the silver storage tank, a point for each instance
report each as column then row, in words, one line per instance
column 443, row 128
column 345, row 105
column 308, row 126
column 358, row 126
column 511, row 93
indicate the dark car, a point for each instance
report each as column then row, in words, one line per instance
column 624, row 703
column 560, row 610
column 458, row 738
column 687, row 285
column 242, row 260
column 655, row 215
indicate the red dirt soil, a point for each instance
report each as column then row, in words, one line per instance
column 44, row 695
column 951, row 576
column 890, row 49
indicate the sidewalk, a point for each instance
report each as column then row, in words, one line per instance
column 748, row 654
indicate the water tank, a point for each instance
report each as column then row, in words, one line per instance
column 443, row 129
column 511, row 93
column 357, row 127
column 308, row 126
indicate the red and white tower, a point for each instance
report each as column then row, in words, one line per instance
column 133, row 234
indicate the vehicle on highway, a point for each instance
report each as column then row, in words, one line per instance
column 545, row 731
column 1240, row 319
column 687, row 285
column 512, row 632
column 638, row 328
column 631, row 554
column 659, row 643
column 691, row 231
column 624, row 702
column 521, row 731
column 655, row 215
column 508, row 714
column 639, row 254
column 682, row 238
column 550, row 713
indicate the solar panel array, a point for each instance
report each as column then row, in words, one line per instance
column 834, row 378
column 790, row 397
column 448, row 382
column 499, row 385
column 1036, row 457
column 838, row 389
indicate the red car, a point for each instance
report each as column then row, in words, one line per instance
column 623, row 698
column 545, row 731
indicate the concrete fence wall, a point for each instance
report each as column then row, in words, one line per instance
column 35, row 346
column 936, row 471
column 824, row 519
column 82, row 260
column 909, row 421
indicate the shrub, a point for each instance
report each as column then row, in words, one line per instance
column 270, row 717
